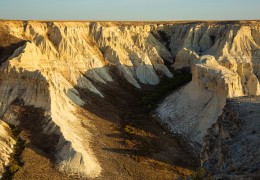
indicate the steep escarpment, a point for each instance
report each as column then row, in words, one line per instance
column 57, row 59
column 6, row 146
column 68, row 70
column 224, row 60
column 231, row 147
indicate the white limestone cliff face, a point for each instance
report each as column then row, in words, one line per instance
column 190, row 111
column 6, row 146
column 50, row 91
column 59, row 56
column 134, row 51
column 224, row 60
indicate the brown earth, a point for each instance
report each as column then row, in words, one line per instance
column 128, row 142
column 38, row 155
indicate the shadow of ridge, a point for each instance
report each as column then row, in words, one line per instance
column 120, row 97
column 39, row 166
column 119, row 93
column 7, row 51
column 32, row 122
column 140, row 156
column 8, row 44
column 36, row 127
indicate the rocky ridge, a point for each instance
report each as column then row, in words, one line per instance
column 231, row 147
column 46, row 63
column 57, row 57
column 224, row 60
column 6, row 146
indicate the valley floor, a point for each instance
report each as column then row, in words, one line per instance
column 130, row 142
column 127, row 140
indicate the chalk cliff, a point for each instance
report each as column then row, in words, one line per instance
column 224, row 60
column 6, row 146
column 50, row 59
column 44, row 64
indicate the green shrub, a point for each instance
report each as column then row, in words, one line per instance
column 201, row 174
column 135, row 131
column 129, row 143
column 15, row 158
column 14, row 168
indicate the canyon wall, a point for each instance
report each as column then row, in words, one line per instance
column 231, row 146
column 6, row 146
column 224, row 59
column 44, row 64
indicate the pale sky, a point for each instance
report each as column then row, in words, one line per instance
column 130, row 9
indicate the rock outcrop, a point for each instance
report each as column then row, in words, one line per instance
column 51, row 59
column 224, row 60
column 6, row 146
column 44, row 64
column 231, row 147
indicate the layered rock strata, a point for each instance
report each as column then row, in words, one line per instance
column 44, row 64
column 6, row 146
column 224, row 60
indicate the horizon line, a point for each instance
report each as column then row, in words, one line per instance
column 86, row 20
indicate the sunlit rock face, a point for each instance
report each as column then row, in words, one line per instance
column 6, row 146
column 56, row 57
column 224, row 59
column 45, row 63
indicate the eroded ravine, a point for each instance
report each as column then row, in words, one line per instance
column 130, row 142
column 87, row 77
column 34, row 153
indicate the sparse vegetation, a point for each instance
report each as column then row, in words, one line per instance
column 151, row 98
column 201, row 174
column 15, row 159
column 131, row 144
column 139, row 132
column 135, row 131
